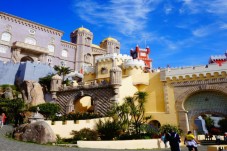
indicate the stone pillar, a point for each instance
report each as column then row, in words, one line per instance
column 42, row 58
column 115, row 79
column 183, row 120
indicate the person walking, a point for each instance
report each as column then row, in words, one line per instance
column 190, row 142
column 3, row 119
column 163, row 138
column 174, row 140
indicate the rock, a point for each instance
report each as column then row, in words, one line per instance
column 37, row 132
column 32, row 93
column 8, row 94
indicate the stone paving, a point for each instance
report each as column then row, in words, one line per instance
column 7, row 144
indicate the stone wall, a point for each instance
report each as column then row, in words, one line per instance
column 10, row 72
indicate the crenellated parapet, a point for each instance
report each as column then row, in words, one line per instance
column 109, row 57
column 134, row 63
column 193, row 72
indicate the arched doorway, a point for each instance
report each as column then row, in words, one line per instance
column 203, row 103
column 83, row 104
column 26, row 58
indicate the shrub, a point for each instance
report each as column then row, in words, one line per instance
column 108, row 130
column 47, row 109
column 168, row 127
column 85, row 134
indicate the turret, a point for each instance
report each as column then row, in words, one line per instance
column 111, row 45
column 115, row 79
column 56, row 83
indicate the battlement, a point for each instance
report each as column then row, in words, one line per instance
column 134, row 63
column 107, row 57
column 64, row 129
column 218, row 57
column 193, row 71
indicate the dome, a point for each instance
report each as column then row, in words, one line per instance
column 82, row 29
column 110, row 39
column 56, row 77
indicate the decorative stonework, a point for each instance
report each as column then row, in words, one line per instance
column 166, row 98
column 184, row 90
column 30, row 24
column 100, row 95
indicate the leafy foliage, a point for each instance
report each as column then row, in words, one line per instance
column 76, row 116
column 223, row 125
column 63, row 71
column 209, row 123
column 85, row 134
column 46, row 81
column 168, row 127
column 108, row 130
column 130, row 114
column 47, row 109
column 11, row 107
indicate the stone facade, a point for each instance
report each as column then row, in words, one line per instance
column 23, row 40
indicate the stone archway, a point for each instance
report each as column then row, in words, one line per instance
column 26, row 58
column 101, row 98
column 205, row 102
column 184, row 91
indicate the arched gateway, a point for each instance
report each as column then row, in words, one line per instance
column 102, row 97
column 201, row 97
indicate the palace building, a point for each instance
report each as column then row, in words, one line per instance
column 23, row 40
column 175, row 95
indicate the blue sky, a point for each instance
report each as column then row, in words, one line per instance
column 178, row 32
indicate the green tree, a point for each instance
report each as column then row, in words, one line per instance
column 131, row 114
column 137, row 110
column 168, row 127
column 11, row 107
column 47, row 109
column 209, row 123
column 45, row 82
column 223, row 125
column 62, row 71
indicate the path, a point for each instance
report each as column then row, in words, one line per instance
column 7, row 144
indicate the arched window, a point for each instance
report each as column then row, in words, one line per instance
column 64, row 53
column 51, row 48
column 6, row 36
column 30, row 40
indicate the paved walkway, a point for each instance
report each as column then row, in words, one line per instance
column 7, row 144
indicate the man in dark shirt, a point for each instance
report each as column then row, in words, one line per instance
column 174, row 140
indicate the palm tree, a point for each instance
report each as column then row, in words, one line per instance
column 62, row 71
column 137, row 110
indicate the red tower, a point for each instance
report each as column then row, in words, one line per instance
column 142, row 54
column 219, row 59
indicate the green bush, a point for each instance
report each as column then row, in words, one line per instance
column 85, row 134
column 46, row 109
column 168, row 127
column 76, row 116
column 11, row 107
column 108, row 130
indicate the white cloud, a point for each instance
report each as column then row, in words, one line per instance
column 125, row 15
column 223, row 26
column 217, row 7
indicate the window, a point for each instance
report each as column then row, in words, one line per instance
column 6, row 36
column 64, row 53
column 30, row 40
column 3, row 49
column 50, row 48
